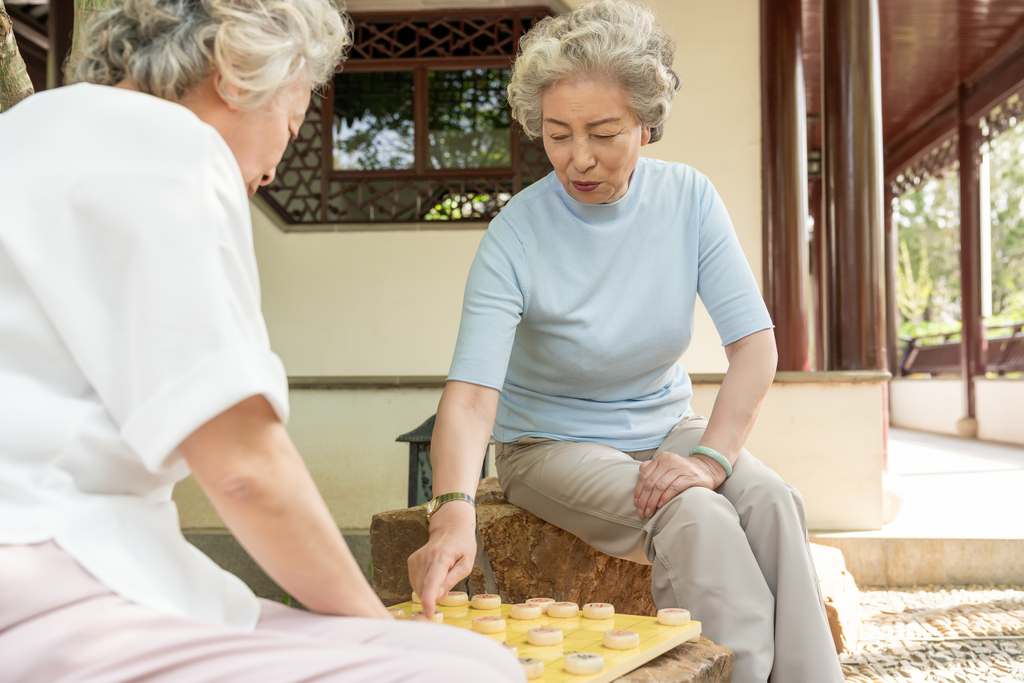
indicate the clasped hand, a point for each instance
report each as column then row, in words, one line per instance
column 666, row 475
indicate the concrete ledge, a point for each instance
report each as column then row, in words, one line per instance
column 915, row 561
column 378, row 381
column 221, row 547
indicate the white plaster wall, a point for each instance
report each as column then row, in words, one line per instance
column 388, row 303
column 363, row 303
column 826, row 440
column 927, row 405
column 999, row 404
column 347, row 438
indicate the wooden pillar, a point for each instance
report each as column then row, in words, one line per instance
column 892, row 313
column 852, row 185
column 972, row 348
column 784, row 180
column 817, row 271
column 61, row 28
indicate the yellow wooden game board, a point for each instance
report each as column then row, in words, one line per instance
column 580, row 635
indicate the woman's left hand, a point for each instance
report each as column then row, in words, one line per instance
column 666, row 475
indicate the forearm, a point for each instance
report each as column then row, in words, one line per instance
column 262, row 489
column 462, row 431
column 751, row 370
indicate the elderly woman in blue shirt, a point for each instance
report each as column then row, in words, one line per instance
column 578, row 306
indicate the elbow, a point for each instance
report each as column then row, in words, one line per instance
column 771, row 351
column 258, row 481
column 246, row 486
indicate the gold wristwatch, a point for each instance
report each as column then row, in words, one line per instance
column 434, row 504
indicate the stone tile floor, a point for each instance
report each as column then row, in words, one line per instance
column 963, row 634
column 954, row 488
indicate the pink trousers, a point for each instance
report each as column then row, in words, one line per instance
column 57, row 623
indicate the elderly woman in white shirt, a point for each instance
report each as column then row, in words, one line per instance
column 133, row 352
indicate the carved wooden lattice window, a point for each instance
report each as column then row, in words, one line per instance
column 415, row 128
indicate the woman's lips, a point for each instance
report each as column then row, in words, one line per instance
column 584, row 187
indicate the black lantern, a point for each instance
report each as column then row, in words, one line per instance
column 421, row 476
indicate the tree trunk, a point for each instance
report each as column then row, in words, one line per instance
column 83, row 8
column 14, row 81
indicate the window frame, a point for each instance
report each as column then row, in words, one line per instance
column 420, row 107
column 435, row 34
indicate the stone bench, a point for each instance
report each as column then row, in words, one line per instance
column 520, row 556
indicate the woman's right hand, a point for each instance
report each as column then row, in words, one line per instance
column 448, row 556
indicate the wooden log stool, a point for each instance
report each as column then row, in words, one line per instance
column 520, row 556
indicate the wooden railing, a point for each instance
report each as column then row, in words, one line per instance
column 937, row 355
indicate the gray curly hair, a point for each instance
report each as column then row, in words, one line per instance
column 259, row 46
column 607, row 38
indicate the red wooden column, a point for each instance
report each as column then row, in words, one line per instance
column 817, row 270
column 892, row 314
column 784, row 180
column 972, row 349
column 852, row 184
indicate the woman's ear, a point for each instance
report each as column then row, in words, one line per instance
column 645, row 135
column 227, row 90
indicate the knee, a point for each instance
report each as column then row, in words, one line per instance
column 771, row 498
column 696, row 505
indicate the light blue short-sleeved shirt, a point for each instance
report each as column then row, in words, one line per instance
column 579, row 313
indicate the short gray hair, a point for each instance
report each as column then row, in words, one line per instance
column 613, row 39
column 259, row 46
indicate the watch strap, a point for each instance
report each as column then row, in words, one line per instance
column 435, row 504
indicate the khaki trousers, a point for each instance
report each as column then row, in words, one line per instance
column 737, row 557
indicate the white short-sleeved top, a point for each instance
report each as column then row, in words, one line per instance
column 129, row 316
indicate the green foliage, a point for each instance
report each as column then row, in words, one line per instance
column 1006, row 156
column 913, row 294
column 468, row 120
column 457, row 207
column 928, row 224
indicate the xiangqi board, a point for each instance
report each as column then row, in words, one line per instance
column 578, row 635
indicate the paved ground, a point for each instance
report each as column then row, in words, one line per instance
column 951, row 488
column 966, row 634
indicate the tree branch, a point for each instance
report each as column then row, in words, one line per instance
column 15, row 84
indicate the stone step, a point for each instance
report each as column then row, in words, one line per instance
column 889, row 562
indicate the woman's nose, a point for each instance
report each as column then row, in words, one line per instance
column 582, row 156
column 268, row 177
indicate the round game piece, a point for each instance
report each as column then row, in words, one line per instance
column 671, row 616
column 490, row 624
column 524, row 611
column 544, row 635
column 397, row 612
column 598, row 610
column 621, row 640
column 438, row 618
column 563, row 610
column 513, row 650
column 454, row 599
column 584, row 663
column 416, row 598
column 485, row 601
column 533, row 668
column 543, row 603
